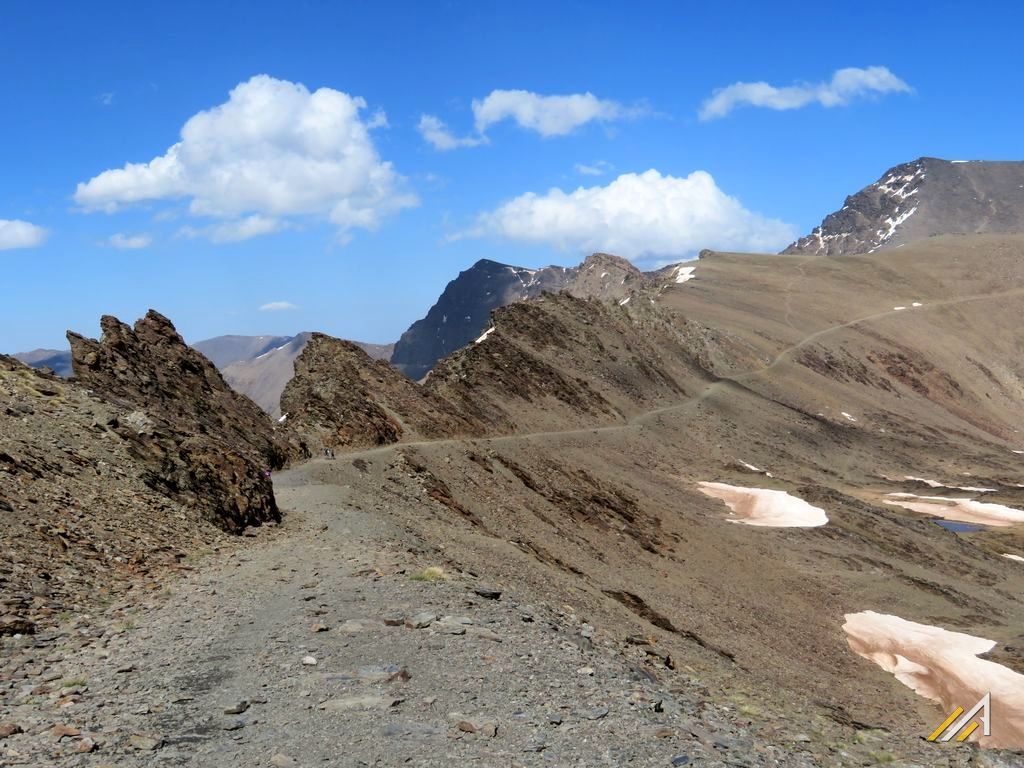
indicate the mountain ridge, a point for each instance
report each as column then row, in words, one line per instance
column 922, row 198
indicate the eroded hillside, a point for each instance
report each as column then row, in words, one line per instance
column 841, row 382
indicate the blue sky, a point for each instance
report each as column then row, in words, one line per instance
column 364, row 220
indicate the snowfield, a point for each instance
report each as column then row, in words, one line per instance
column 960, row 510
column 764, row 507
column 943, row 666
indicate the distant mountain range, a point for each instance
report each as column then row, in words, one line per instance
column 912, row 201
column 919, row 199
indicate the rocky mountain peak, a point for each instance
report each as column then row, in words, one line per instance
column 922, row 198
column 609, row 261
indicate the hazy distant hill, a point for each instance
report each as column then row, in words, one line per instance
column 921, row 199
column 222, row 351
column 58, row 361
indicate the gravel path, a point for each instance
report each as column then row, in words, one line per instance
column 324, row 643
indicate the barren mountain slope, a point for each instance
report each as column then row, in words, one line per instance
column 843, row 379
column 923, row 198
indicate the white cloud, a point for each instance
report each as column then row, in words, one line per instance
column 15, row 233
column 277, row 306
column 129, row 242
column 600, row 168
column 636, row 215
column 546, row 115
column 272, row 151
column 436, row 133
column 846, row 85
column 106, row 99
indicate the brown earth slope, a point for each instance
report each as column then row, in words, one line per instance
column 839, row 377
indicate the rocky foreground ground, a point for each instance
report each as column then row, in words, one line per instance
column 331, row 640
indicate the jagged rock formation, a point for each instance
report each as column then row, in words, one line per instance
column 80, row 521
column 463, row 309
column 923, row 198
column 203, row 443
column 340, row 396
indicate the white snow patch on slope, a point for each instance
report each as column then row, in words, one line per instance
column 892, row 223
column 683, row 274
column 937, row 484
column 752, row 468
column 960, row 510
column 943, row 666
column 283, row 419
column 897, row 309
column 764, row 507
column 847, row 416
column 272, row 351
column 625, row 301
column 1018, row 558
column 484, row 335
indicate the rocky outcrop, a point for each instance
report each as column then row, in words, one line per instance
column 923, row 198
column 341, row 397
column 202, row 443
column 263, row 378
column 80, row 522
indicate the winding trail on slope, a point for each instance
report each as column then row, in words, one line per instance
column 709, row 390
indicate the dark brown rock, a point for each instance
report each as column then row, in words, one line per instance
column 202, row 443
column 340, row 396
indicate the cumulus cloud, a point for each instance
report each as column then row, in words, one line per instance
column 272, row 151
column 546, row 115
column 15, row 233
column 636, row 215
column 845, row 86
column 436, row 133
column 277, row 306
column 129, row 242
